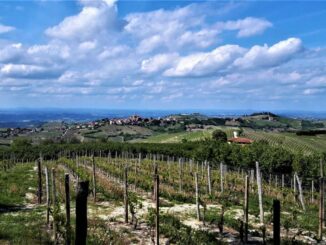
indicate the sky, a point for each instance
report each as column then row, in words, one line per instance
column 119, row 54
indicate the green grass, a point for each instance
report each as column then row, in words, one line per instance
column 15, row 183
column 20, row 224
column 23, row 227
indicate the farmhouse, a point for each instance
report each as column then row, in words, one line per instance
column 240, row 140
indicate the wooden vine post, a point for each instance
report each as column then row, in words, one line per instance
column 221, row 176
column 81, row 213
column 154, row 180
column 67, row 191
column 300, row 192
column 260, row 194
column 180, row 175
column 322, row 199
column 321, row 208
column 246, row 208
column 157, row 201
column 77, row 176
column 126, row 193
column 46, row 172
column 276, row 222
column 294, row 188
column 197, row 196
column 54, row 203
column 39, row 191
column 209, row 179
column 94, row 178
column 312, row 191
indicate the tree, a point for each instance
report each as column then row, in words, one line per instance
column 21, row 142
column 219, row 135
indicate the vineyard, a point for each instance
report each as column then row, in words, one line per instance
column 152, row 199
column 290, row 141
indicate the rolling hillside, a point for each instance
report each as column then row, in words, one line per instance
column 290, row 141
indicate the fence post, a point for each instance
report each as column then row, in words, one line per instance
column 67, row 191
column 157, row 200
column 300, row 192
column 180, row 175
column 209, row 179
column 312, row 191
column 260, row 194
column 246, row 208
column 54, row 202
column 154, row 180
column 277, row 222
column 126, row 193
column 321, row 208
column 47, row 195
column 197, row 196
column 221, row 176
column 94, row 178
column 81, row 213
column 39, row 191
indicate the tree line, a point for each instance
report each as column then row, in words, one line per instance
column 273, row 159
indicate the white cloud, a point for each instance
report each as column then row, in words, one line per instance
column 138, row 82
column 317, row 81
column 158, row 62
column 28, row 71
column 246, row 27
column 159, row 55
column 11, row 53
column 173, row 96
column 93, row 20
column 88, row 45
column 203, row 64
column 312, row 91
column 98, row 3
column 52, row 52
column 111, row 52
column 171, row 29
column 264, row 56
column 4, row 28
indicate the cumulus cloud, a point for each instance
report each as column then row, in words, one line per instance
column 11, row 53
column 171, row 29
column 156, row 54
column 246, row 27
column 29, row 71
column 96, row 17
column 264, row 56
column 158, row 62
column 203, row 64
column 4, row 28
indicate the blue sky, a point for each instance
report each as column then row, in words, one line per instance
column 259, row 55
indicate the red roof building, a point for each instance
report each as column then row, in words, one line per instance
column 240, row 140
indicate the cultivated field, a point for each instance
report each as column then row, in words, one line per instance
column 290, row 141
column 214, row 214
